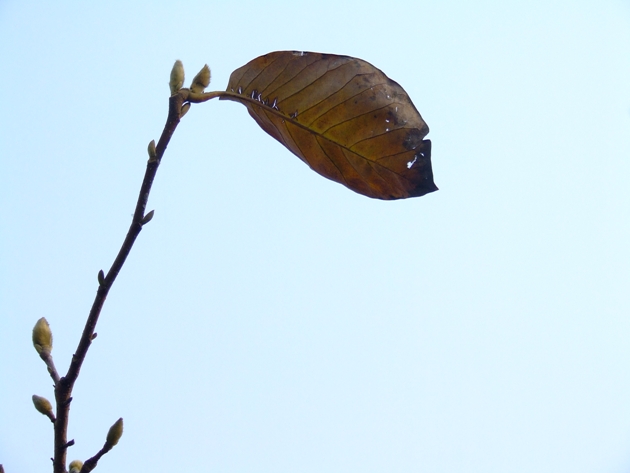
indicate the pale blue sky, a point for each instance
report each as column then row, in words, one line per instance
column 269, row 320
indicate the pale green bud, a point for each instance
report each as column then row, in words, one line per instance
column 42, row 337
column 184, row 109
column 42, row 405
column 177, row 77
column 75, row 466
column 201, row 80
column 115, row 432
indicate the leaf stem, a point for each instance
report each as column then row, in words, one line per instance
column 198, row 97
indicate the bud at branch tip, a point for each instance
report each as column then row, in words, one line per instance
column 75, row 466
column 201, row 80
column 177, row 77
column 42, row 337
column 42, row 405
column 114, row 434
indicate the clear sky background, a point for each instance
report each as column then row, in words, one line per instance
column 270, row 320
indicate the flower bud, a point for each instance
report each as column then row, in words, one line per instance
column 201, row 80
column 75, row 466
column 114, row 434
column 184, row 109
column 151, row 149
column 177, row 77
column 42, row 337
column 147, row 218
column 42, row 405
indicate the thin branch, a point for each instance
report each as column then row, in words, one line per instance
column 51, row 416
column 90, row 464
column 64, row 385
column 47, row 357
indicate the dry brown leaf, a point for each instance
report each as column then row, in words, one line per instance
column 343, row 117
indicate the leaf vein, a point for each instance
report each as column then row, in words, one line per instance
column 319, row 78
column 338, row 91
column 331, row 160
column 260, row 72
column 354, row 118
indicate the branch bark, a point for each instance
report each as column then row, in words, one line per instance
column 64, row 385
column 91, row 463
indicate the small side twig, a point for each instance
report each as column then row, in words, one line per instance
column 50, row 365
column 113, row 436
column 90, row 463
column 43, row 344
